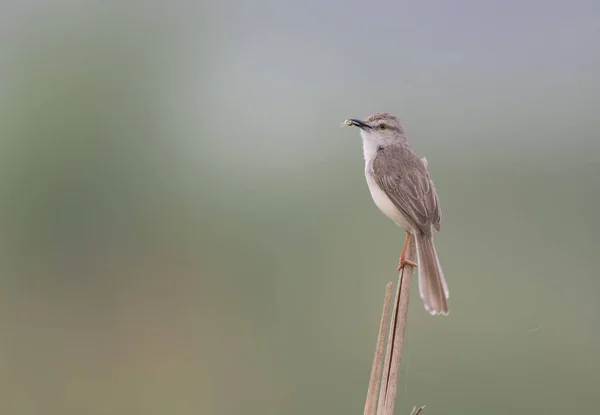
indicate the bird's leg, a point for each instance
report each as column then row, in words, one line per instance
column 403, row 260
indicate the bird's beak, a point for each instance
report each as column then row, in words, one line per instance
column 358, row 123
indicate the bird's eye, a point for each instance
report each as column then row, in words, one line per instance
column 382, row 127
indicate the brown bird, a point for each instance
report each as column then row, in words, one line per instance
column 402, row 189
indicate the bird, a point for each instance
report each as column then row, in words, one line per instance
column 402, row 189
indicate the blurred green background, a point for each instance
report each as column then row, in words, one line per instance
column 185, row 228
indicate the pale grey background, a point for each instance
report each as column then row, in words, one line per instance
column 186, row 229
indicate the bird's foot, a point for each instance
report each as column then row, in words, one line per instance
column 404, row 261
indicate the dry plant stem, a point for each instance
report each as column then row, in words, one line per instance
column 374, row 382
column 399, row 321
column 387, row 393
column 416, row 411
column 388, row 358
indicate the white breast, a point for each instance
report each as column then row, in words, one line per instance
column 384, row 203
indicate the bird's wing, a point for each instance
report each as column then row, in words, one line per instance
column 405, row 180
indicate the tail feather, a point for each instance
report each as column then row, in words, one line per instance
column 432, row 284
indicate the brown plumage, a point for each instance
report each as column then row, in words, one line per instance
column 403, row 176
column 400, row 173
column 403, row 190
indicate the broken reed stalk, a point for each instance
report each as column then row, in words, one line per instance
column 386, row 386
column 417, row 411
column 374, row 382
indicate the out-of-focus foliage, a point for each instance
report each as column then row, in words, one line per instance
column 184, row 228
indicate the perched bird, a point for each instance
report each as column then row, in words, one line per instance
column 402, row 189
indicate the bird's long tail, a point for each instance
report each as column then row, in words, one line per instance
column 432, row 285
